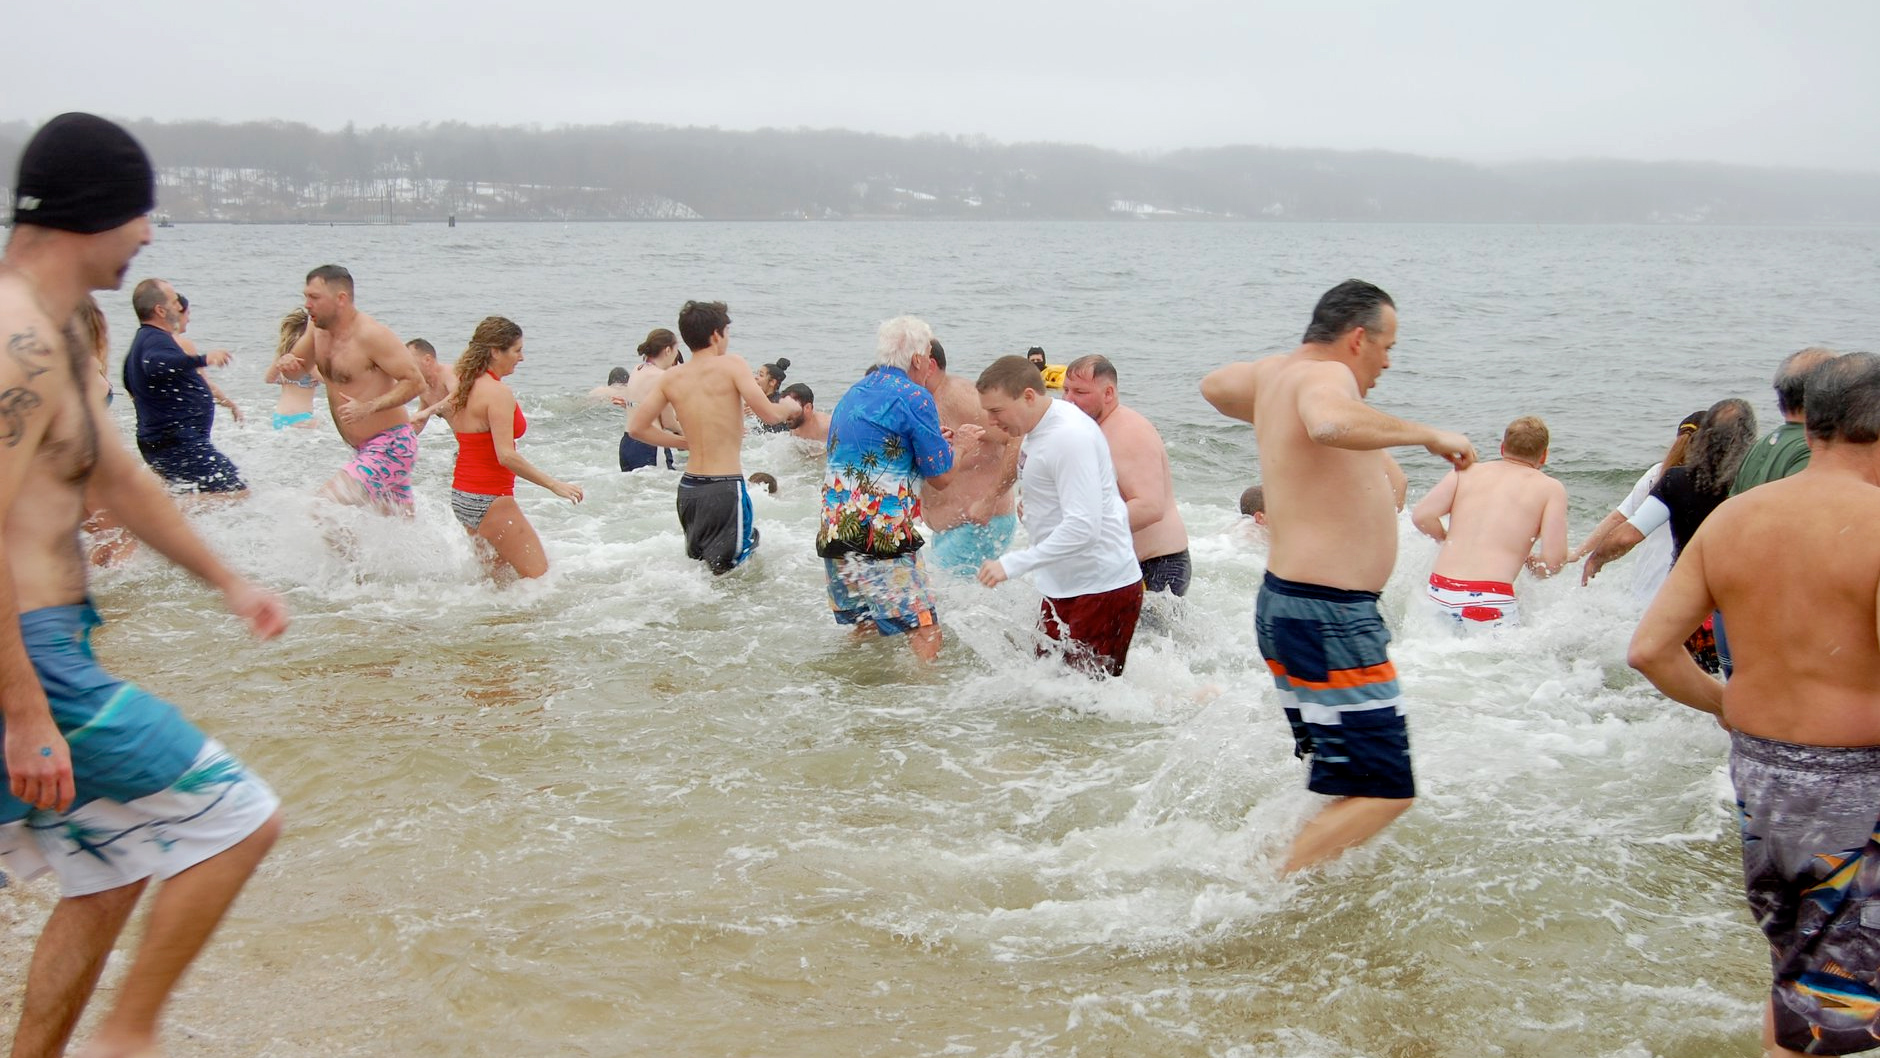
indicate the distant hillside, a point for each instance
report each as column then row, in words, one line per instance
column 280, row 171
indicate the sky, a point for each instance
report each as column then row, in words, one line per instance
column 1754, row 82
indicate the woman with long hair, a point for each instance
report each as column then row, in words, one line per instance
column 658, row 352
column 1652, row 562
column 484, row 416
column 295, row 405
column 1685, row 496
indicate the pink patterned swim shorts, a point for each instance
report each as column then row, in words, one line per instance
column 382, row 466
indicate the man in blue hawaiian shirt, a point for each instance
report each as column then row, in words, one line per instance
column 884, row 438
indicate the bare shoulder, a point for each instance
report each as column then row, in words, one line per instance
column 377, row 336
column 33, row 343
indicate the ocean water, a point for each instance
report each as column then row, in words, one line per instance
column 632, row 809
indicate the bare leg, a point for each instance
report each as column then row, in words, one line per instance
column 71, row 954
column 925, row 641
column 187, row 909
column 1770, row 1050
column 1344, row 824
column 514, row 539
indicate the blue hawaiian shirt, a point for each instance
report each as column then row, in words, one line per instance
column 884, row 436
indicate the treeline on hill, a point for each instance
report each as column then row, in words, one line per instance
column 282, row 171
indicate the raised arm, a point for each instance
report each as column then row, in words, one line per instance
column 1335, row 417
column 1232, row 390
column 1430, row 511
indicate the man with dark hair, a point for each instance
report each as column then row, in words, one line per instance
column 1143, row 475
column 107, row 785
column 1253, row 504
column 1332, row 517
column 705, row 392
column 1798, row 588
column 1080, row 557
column 1498, row 511
column 439, row 383
column 812, row 425
column 175, row 406
column 972, row 519
column 370, row 377
column 1785, row 449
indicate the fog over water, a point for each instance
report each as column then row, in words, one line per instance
column 633, row 809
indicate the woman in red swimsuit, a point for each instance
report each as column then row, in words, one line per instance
column 487, row 422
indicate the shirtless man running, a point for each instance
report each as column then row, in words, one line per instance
column 440, row 382
column 973, row 519
column 1142, row 474
column 1795, row 567
column 94, row 763
column 1330, row 511
column 714, row 508
column 1497, row 512
column 370, row 375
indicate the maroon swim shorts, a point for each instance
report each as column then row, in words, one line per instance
column 1096, row 629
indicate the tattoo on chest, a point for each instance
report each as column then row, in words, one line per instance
column 33, row 356
column 15, row 405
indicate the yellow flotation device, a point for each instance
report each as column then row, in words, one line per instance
column 1054, row 376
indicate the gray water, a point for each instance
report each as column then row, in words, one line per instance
column 632, row 809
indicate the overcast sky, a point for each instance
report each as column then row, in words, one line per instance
column 1750, row 81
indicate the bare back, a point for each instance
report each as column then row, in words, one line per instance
column 1330, row 511
column 974, row 493
column 709, row 393
column 1795, row 567
column 51, row 446
column 363, row 364
column 640, row 386
column 1498, row 511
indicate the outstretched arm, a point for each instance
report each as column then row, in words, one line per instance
column 1334, row 416
column 502, row 404
column 1232, row 390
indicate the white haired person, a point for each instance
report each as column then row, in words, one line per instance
column 884, row 440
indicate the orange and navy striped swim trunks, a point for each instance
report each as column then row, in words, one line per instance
column 1326, row 648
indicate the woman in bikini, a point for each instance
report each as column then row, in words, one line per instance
column 658, row 352
column 295, row 406
column 484, row 416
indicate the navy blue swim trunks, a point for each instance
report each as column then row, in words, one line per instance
column 1326, row 650
column 185, row 459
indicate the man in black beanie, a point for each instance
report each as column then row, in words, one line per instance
column 107, row 785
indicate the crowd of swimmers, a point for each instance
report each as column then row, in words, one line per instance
column 1762, row 602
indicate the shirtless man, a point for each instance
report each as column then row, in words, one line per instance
column 706, row 394
column 812, row 425
column 370, row 376
column 1497, row 511
column 1334, row 541
column 973, row 519
column 80, row 214
column 1795, row 568
column 440, row 382
column 1142, row 474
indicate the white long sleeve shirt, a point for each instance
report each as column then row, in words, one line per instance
column 1079, row 527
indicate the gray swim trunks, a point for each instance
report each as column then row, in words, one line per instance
column 1811, row 869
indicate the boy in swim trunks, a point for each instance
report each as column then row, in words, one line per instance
column 1798, row 589
column 1331, row 512
column 370, row 376
column 1498, row 511
column 708, row 394
column 107, row 785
